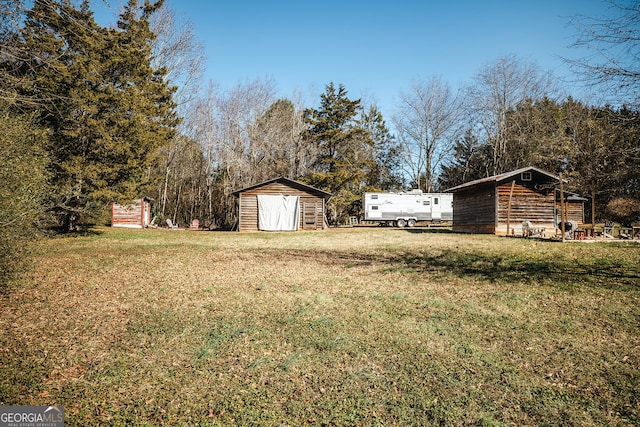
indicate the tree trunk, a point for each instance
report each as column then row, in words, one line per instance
column 164, row 192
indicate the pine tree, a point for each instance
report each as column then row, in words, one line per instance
column 11, row 15
column 145, row 119
column 107, row 109
column 277, row 136
column 344, row 150
column 601, row 142
column 470, row 162
column 386, row 173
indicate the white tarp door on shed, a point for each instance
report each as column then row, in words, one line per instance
column 278, row 212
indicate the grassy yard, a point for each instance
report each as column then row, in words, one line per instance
column 365, row 326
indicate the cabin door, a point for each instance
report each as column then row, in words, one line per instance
column 436, row 208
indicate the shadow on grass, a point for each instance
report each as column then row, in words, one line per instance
column 505, row 268
column 83, row 231
column 427, row 230
column 608, row 273
column 412, row 230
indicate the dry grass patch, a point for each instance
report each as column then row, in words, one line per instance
column 345, row 327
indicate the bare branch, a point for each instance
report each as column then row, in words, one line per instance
column 614, row 45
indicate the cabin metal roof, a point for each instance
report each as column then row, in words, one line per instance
column 501, row 177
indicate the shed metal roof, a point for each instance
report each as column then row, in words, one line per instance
column 287, row 181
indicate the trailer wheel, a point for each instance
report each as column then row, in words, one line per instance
column 401, row 223
column 411, row 223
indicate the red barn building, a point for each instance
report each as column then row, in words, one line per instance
column 135, row 215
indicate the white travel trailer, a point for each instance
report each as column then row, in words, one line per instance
column 402, row 209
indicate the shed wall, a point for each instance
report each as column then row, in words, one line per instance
column 474, row 210
column 527, row 204
column 135, row 215
column 575, row 211
column 311, row 206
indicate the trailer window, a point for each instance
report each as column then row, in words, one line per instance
column 374, row 197
column 426, row 203
column 435, row 200
column 374, row 207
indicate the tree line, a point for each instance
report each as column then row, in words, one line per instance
column 95, row 114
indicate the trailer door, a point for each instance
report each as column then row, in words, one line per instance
column 436, row 208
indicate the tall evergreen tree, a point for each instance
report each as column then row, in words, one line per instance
column 386, row 173
column 107, row 109
column 470, row 162
column 534, row 136
column 145, row 119
column 11, row 15
column 278, row 133
column 344, row 150
column 627, row 122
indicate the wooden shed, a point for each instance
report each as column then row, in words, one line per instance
column 573, row 208
column 281, row 204
column 135, row 215
column 499, row 204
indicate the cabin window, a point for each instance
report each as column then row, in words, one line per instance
column 374, row 197
column 426, row 203
column 526, row 176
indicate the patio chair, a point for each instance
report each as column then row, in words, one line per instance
column 608, row 230
column 171, row 225
column 528, row 230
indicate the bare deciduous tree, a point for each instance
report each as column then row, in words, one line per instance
column 613, row 43
column 279, row 132
column 247, row 137
column 498, row 88
column 177, row 49
column 427, row 123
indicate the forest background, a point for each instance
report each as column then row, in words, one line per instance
column 94, row 114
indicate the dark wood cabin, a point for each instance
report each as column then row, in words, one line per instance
column 499, row 204
column 281, row 204
column 135, row 215
column 573, row 208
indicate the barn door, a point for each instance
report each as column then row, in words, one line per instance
column 278, row 212
column 312, row 215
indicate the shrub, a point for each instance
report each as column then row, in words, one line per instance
column 625, row 210
column 22, row 193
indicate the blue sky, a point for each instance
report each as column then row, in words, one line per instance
column 375, row 48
